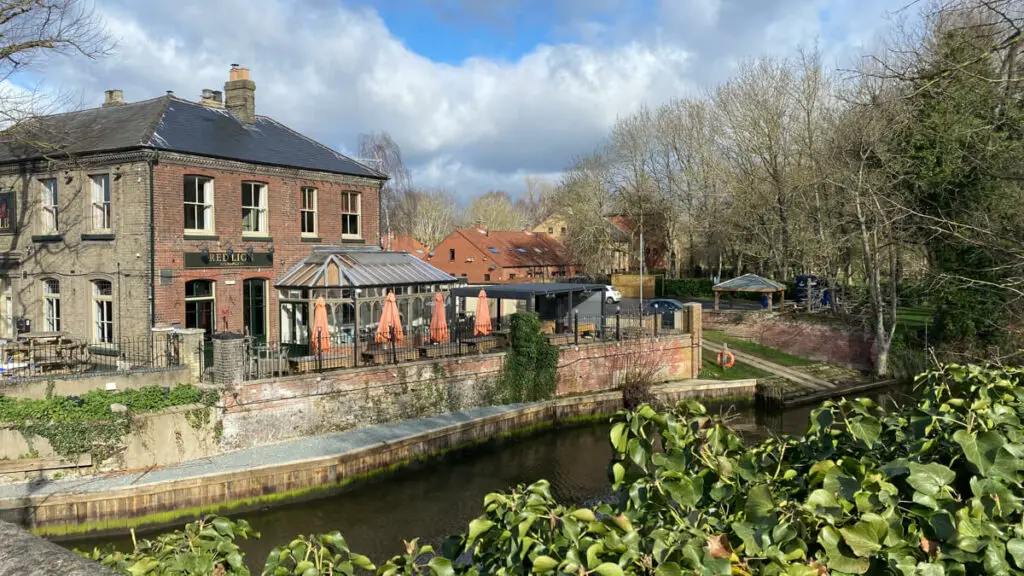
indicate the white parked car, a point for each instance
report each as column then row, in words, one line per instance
column 611, row 295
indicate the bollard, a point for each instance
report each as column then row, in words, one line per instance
column 576, row 327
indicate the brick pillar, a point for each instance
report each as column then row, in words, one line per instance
column 191, row 346
column 693, row 325
column 161, row 342
column 228, row 359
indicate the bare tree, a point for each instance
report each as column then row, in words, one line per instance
column 381, row 151
column 495, row 210
column 583, row 201
column 536, row 201
column 428, row 215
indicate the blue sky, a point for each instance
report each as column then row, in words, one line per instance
column 479, row 93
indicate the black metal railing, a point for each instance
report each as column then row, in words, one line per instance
column 343, row 351
column 59, row 356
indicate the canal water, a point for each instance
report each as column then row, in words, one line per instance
column 437, row 498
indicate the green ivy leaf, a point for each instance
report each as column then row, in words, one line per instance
column 441, row 566
column 866, row 535
column 1016, row 549
column 609, row 569
column 477, row 527
column 760, row 506
column 668, row 569
column 618, row 437
column 979, row 449
column 830, row 540
column 930, row 478
column 865, row 428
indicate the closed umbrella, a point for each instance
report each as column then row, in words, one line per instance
column 438, row 322
column 482, row 323
column 389, row 318
column 320, row 337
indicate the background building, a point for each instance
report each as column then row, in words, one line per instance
column 482, row 256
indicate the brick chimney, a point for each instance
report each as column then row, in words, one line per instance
column 212, row 98
column 113, row 98
column 240, row 95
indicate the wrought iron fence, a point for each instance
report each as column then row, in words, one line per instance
column 59, row 356
column 342, row 351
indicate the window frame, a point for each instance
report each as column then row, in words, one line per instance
column 50, row 206
column 51, row 304
column 346, row 212
column 211, row 298
column 102, row 312
column 101, row 208
column 304, row 210
column 207, row 206
column 261, row 209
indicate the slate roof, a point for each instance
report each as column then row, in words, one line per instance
column 517, row 249
column 748, row 283
column 361, row 267
column 174, row 124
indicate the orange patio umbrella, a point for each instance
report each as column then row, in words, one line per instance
column 438, row 322
column 389, row 318
column 319, row 331
column 482, row 322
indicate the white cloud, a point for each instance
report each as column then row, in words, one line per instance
column 333, row 72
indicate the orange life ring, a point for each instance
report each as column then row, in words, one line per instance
column 728, row 357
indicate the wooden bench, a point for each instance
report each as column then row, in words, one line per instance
column 330, row 361
column 439, row 350
column 560, row 339
column 479, row 344
column 384, row 355
column 587, row 329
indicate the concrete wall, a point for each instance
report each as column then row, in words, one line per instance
column 836, row 344
column 157, row 439
column 272, row 410
column 78, row 385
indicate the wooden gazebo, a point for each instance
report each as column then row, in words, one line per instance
column 751, row 283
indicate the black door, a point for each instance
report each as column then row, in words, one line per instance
column 254, row 309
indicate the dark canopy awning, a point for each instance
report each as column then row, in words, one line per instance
column 749, row 283
column 525, row 290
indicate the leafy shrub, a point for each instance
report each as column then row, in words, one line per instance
column 204, row 548
column 927, row 489
column 530, row 372
column 688, row 288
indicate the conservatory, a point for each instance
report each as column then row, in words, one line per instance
column 354, row 283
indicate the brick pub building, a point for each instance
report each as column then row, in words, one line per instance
column 168, row 211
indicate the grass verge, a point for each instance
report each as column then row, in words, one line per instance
column 754, row 349
column 739, row 371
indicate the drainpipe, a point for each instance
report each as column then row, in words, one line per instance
column 152, row 241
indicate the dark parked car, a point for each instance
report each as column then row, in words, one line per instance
column 662, row 305
column 666, row 307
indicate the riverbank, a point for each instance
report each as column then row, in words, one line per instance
column 295, row 469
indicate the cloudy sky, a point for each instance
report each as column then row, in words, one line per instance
column 478, row 93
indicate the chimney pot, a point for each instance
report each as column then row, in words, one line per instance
column 113, row 97
column 240, row 95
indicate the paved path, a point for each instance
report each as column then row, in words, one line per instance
column 805, row 381
column 275, row 454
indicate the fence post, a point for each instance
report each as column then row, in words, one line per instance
column 576, row 327
column 618, row 323
column 394, row 354
column 191, row 348
column 657, row 320
column 694, row 327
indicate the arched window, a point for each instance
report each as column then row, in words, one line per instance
column 200, row 305
column 103, row 311
column 51, row 305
